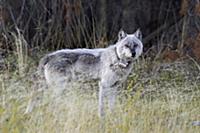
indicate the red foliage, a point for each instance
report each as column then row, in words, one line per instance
column 194, row 46
column 196, row 51
column 170, row 55
column 197, row 9
column 184, row 7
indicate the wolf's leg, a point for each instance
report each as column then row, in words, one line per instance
column 36, row 94
column 111, row 99
column 112, row 95
column 108, row 94
column 101, row 100
column 31, row 104
column 34, row 100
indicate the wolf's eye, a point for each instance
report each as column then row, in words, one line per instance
column 127, row 46
column 135, row 45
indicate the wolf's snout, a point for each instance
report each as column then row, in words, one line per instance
column 133, row 53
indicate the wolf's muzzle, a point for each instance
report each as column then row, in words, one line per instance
column 133, row 53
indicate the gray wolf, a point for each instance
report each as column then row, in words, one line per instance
column 109, row 67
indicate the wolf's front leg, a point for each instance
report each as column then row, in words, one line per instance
column 112, row 99
column 107, row 93
column 102, row 98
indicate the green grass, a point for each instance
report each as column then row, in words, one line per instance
column 160, row 98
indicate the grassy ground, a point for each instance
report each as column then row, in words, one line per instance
column 160, row 98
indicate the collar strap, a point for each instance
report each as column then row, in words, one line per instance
column 116, row 53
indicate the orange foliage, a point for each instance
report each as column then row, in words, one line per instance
column 196, row 51
column 71, row 9
column 191, row 47
column 184, row 7
column 66, row 12
column 3, row 15
column 197, row 9
column 170, row 55
column 194, row 45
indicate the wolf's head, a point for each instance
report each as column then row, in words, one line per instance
column 129, row 46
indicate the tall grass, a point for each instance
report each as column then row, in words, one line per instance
column 55, row 24
column 21, row 52
column 159, row 98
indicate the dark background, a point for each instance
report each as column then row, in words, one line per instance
column 170, row 27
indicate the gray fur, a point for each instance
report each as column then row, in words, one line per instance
column 109, row 66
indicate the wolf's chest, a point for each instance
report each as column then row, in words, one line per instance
column 121, row 69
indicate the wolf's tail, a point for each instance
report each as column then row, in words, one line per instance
column 39, row 85
column 42, row 63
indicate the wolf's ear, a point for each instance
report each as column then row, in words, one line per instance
column 121, row 35
column 138, row 34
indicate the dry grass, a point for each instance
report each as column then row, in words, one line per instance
column 159, row 98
